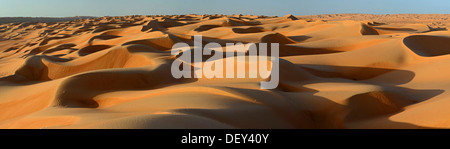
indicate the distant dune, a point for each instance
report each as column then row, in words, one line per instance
column 343, row 71
column 430, row 19
column 39, row 19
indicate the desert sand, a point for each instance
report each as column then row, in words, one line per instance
column 336, row 71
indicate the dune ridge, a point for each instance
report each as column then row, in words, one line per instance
column 336, row 71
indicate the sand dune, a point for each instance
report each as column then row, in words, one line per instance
column 336, row 71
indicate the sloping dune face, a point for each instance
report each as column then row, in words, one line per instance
column 115, row 72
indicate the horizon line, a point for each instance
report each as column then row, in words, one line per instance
column 216, row 14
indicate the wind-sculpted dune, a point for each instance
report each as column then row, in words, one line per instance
column 115, row 72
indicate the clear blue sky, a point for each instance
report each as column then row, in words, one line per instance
column 61, row 8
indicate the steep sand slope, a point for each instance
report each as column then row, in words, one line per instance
column 115, row 72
